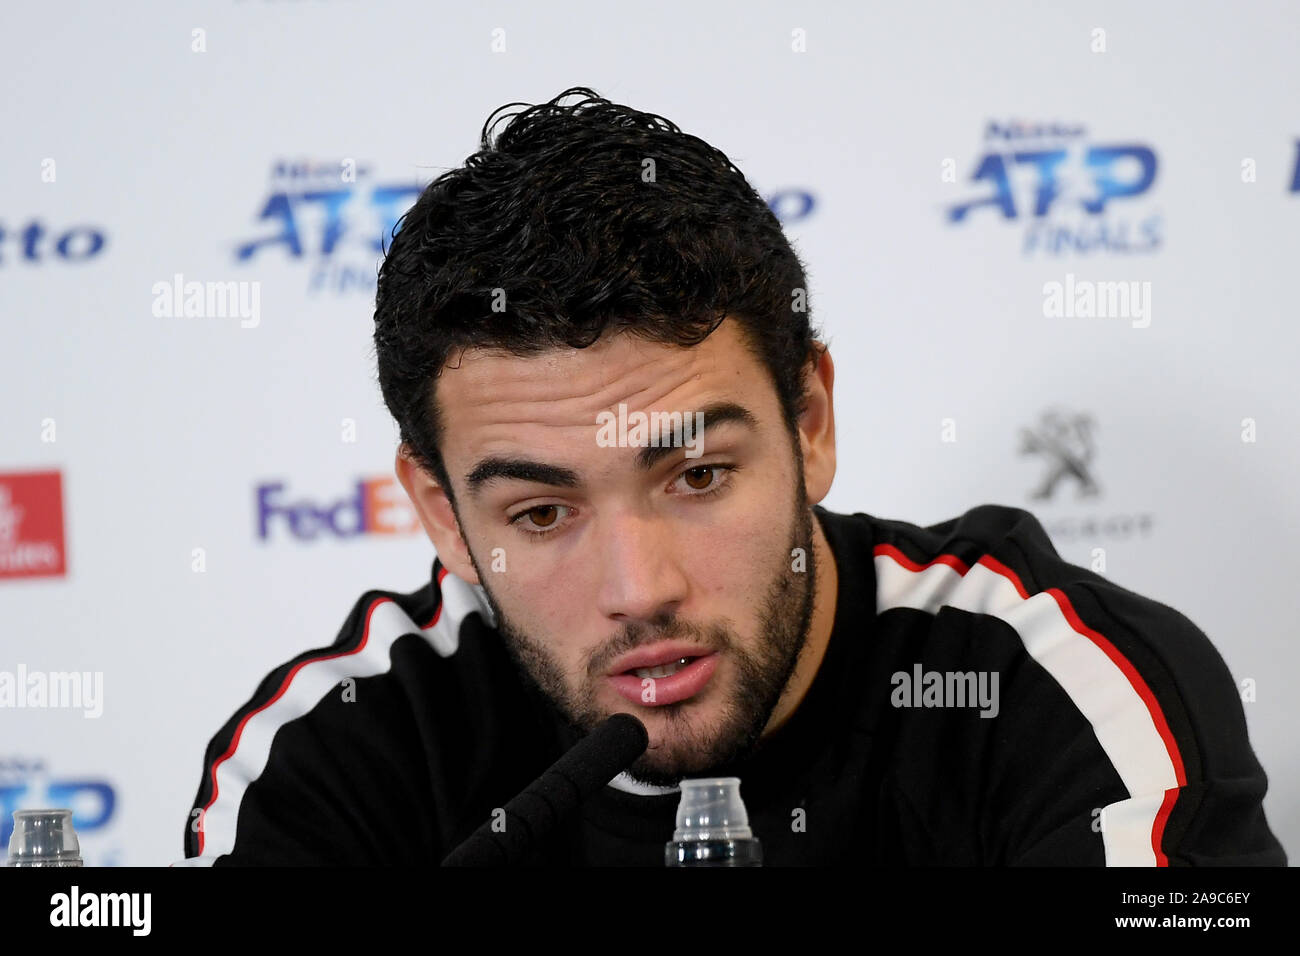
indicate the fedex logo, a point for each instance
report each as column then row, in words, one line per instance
column 373, row 506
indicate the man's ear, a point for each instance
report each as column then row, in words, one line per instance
column 436, row 514
column 817, row 425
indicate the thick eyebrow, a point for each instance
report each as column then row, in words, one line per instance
column 496, row 468
column 718, row 413
column 519, row 469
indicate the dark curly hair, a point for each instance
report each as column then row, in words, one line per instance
column 582, row 219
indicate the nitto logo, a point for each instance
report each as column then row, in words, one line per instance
column 1062, row 187
column 1066, row 442
column 1017, row 130
column 375, row 506
column 35, row 244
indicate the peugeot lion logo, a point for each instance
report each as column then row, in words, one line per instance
column 1066, row 440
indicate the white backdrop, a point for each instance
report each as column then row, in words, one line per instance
column 149, row 140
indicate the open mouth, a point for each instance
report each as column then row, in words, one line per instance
column 668, row 682
column 661, row 670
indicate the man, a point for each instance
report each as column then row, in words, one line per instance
column 616, row 425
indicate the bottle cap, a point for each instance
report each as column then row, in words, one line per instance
column 711, row 809
column 44, row 838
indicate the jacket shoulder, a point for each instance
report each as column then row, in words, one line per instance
column 300, row 724
column 1154, row 689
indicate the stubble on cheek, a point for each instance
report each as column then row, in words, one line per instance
column 724, row 722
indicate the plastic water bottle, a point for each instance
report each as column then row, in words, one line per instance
column 712, row 826
column 44, row 838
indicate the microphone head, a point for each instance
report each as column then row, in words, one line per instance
column 604, row 753
column 626, row 733
column 580, row 772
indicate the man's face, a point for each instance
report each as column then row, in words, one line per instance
column 592, row 553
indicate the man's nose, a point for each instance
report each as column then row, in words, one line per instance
column 641, row 577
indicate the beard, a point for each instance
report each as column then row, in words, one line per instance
column 687, row 747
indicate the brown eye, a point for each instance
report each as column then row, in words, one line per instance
column 704, row 473
column 543, row 516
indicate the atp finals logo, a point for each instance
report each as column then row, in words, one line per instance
column 1068, row 193
column 331, row 216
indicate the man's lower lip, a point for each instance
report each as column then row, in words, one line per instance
column 657, row 691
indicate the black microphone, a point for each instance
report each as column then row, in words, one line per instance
column 586, row 767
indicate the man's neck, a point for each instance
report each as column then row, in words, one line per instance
column 825, row 593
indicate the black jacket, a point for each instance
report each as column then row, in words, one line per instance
column 1113, row 735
